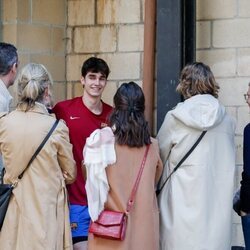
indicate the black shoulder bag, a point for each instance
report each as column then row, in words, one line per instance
column 158, row 191
column 6, row 189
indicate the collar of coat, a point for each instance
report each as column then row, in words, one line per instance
column 38, row 108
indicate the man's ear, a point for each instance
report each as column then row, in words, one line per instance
column 14, row 67
column 82, row 81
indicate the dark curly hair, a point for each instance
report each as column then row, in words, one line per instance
column 197, row 78
column 127, row 118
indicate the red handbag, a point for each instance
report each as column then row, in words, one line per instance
column 112, row 224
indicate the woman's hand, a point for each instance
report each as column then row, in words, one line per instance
column 65, row 174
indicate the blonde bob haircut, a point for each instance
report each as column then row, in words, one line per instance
column 32, row 81
column 197, row 78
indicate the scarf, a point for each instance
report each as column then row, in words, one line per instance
column 98, row 153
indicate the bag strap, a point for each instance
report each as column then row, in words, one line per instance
column 135, row 187
column 158, row 191
column 39, row 148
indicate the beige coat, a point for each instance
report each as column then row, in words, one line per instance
column 143, row 220
column 37, row 216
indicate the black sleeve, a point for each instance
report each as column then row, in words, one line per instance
column 245, row 183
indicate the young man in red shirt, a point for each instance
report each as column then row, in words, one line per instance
column 83, row 115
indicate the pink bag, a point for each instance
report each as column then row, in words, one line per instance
column 112, row 224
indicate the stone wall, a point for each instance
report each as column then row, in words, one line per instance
column 223, row 43
column 112, row 30
column 37, row 29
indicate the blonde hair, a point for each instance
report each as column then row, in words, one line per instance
column 197, row 78
column 32, row 82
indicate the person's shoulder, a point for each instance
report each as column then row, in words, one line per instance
column 247, row 129
column 2, row 114
column 107, row 106
column 62, row 106
column 68, row 102
column 107, row 109
column 154, row 143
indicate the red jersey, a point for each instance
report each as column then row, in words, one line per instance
column 81, row 123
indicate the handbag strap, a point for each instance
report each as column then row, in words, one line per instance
column 39, row 148
column 182, row 160
column 138, row 178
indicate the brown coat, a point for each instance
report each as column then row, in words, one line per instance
column 37, row 216
column 143, row 220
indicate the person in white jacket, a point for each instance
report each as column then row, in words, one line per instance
column 196, row 202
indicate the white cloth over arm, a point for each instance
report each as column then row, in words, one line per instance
column 98, row 153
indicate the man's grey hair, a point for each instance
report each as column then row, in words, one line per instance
column 8, row 57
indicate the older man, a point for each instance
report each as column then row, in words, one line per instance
column 8, row 71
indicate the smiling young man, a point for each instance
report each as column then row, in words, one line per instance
column 83, row 115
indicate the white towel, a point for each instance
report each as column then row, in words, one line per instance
column 98, row 153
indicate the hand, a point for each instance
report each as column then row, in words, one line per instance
column 65, row 174
column 242, row 213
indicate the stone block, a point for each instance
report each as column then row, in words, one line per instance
column 118, row 11
column 58, row 40
column 8, row 10
column 239, row 157
column 239, row 167
column 143, row 11
column 95, row 39
column 123, row 66
column 49, row 11
column 109, row 92
column 24, row 10
column 69, row 90
column 9, row 33
column 232, row 91
column 139, row 82
column 59, row 92
column 81, row 12
column 221, row 61
column 74, row 65
column 77, row 89
column 243, row 119
column 23, row 59
column 34, row 38
column 54, row 63
column 69, row 40
column 131, row 37
column 216, row 9
column 231, row 33
column 243, row 62
column 244, row 8
column 203, row 34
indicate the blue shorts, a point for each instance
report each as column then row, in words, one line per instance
column 79, row 220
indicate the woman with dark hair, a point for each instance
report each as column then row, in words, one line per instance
column 131, row 138
column 196, row 202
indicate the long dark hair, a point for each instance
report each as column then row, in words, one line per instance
column 127, row 118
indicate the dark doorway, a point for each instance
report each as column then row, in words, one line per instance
column 175, row 48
